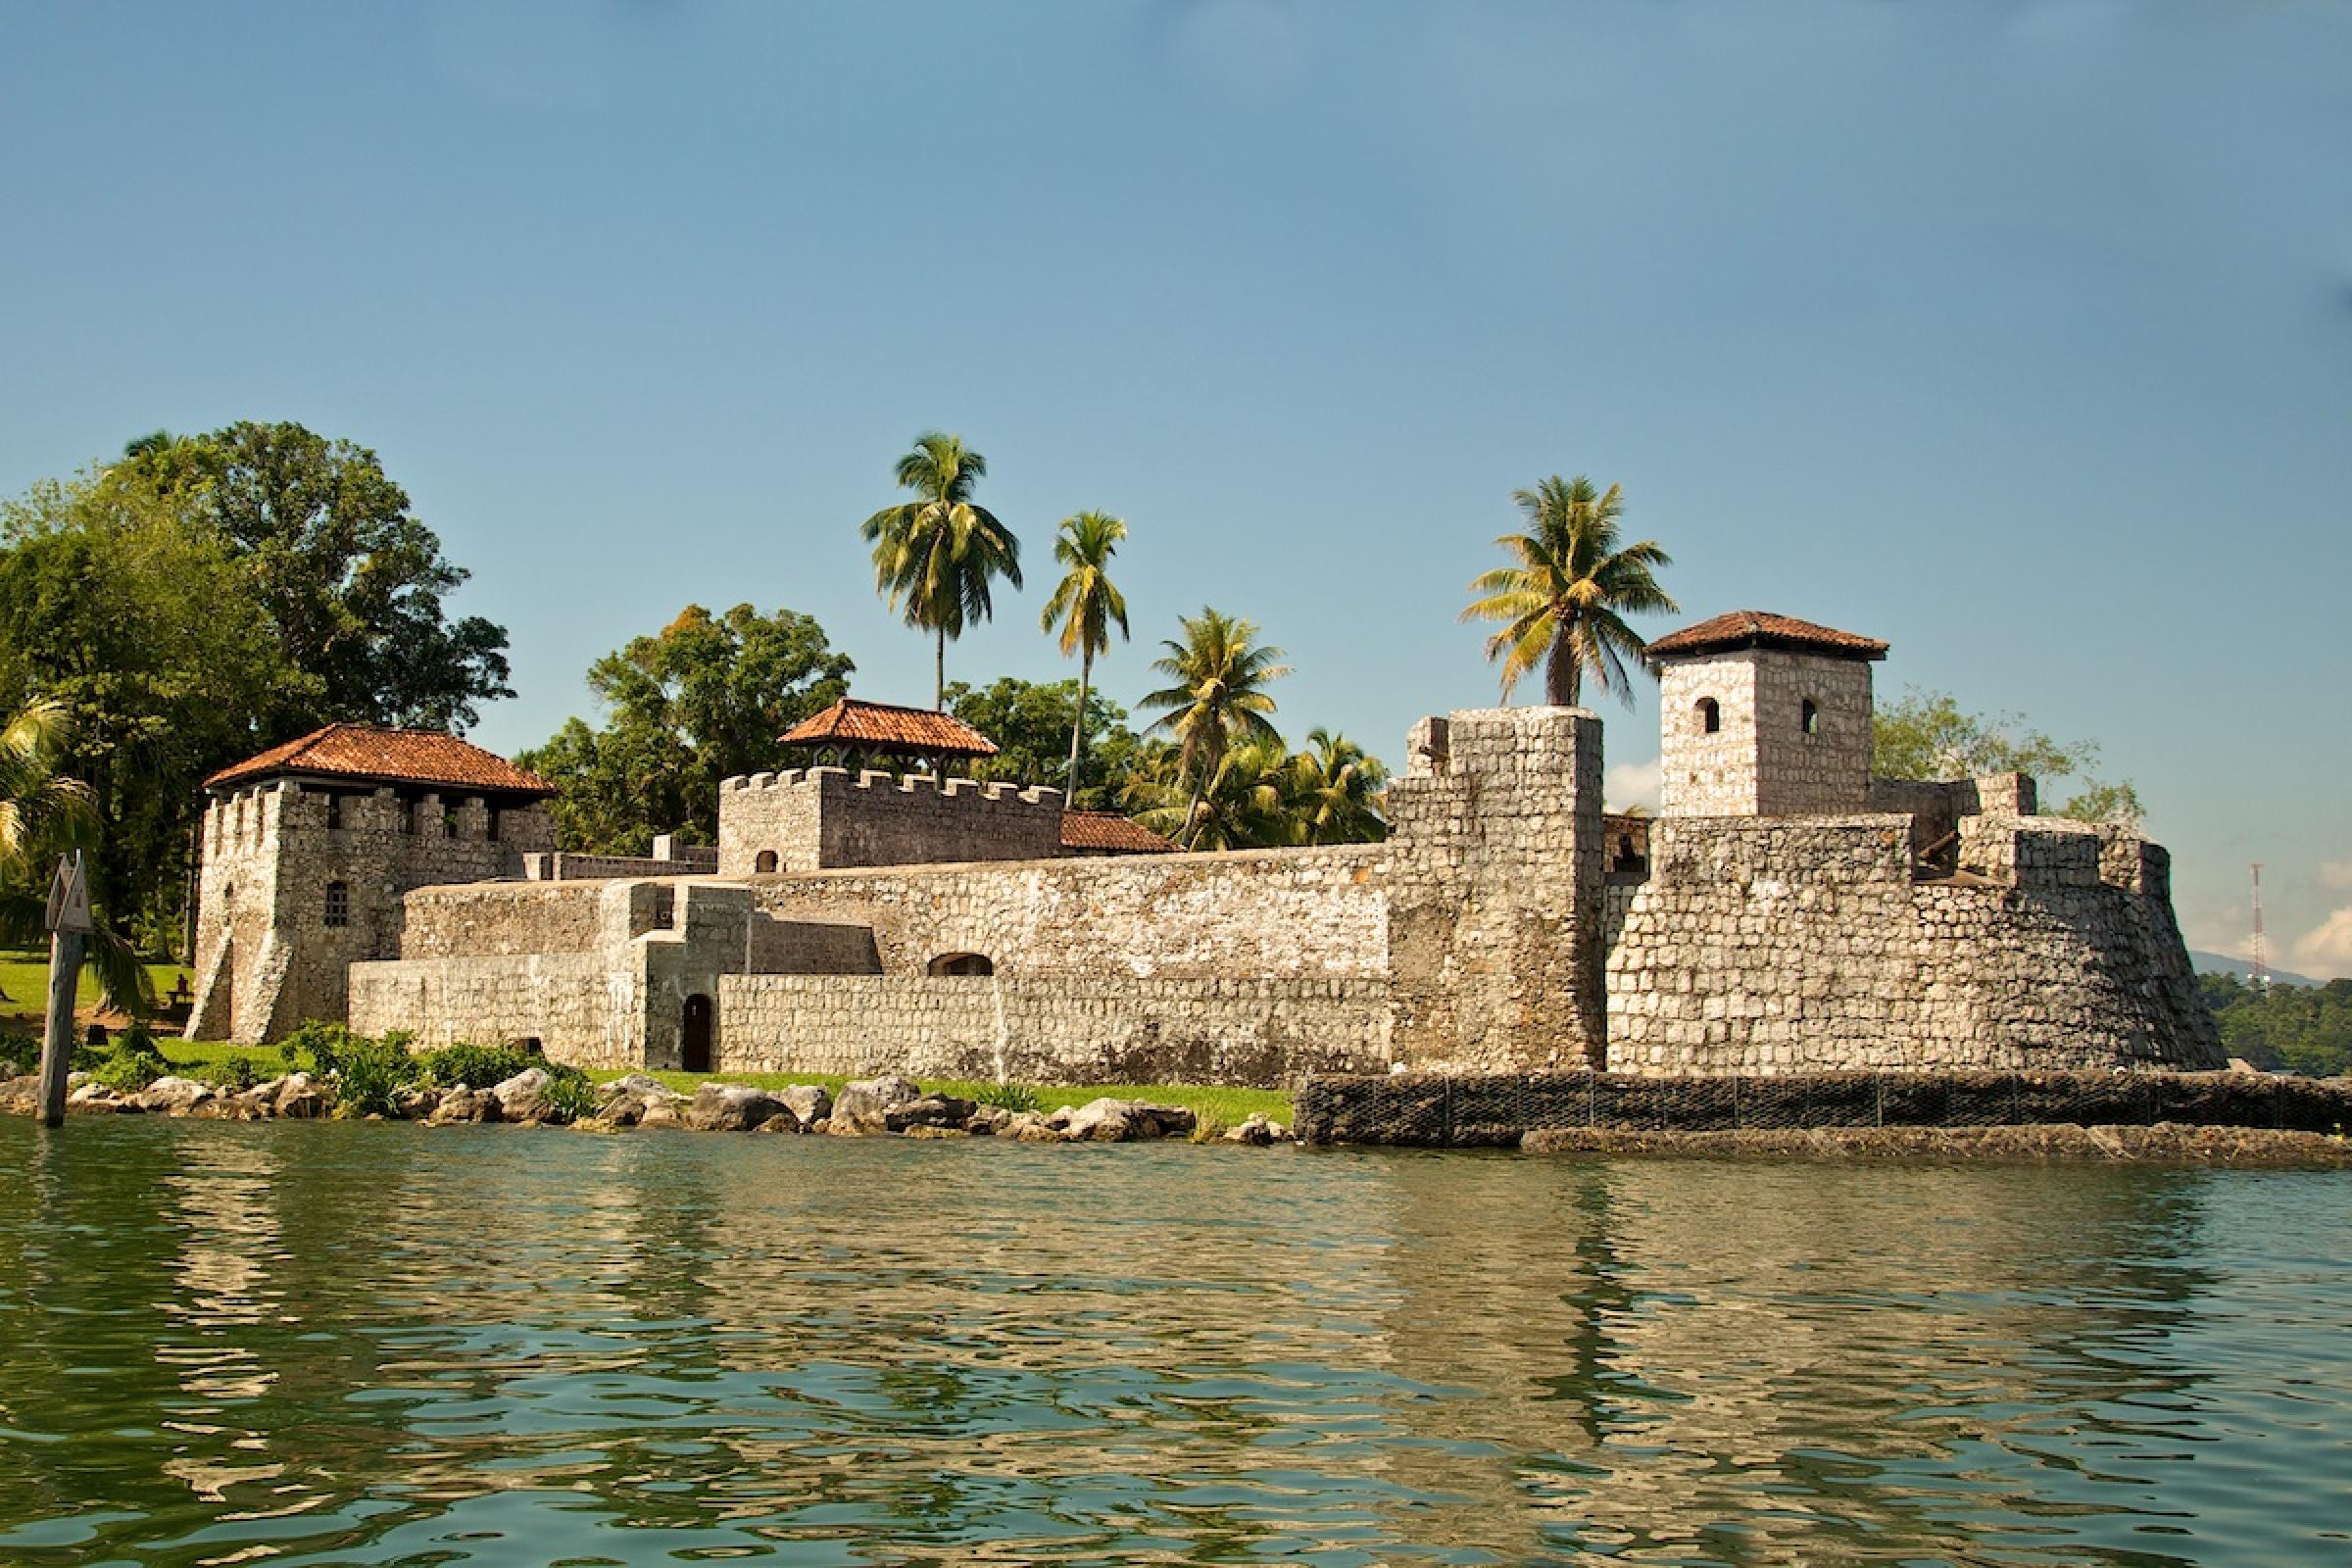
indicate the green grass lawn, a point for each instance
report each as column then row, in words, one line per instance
column 1225, row 1108
column 24, row 981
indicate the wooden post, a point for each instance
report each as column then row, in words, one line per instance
column 68, row 920
column 57, row 1044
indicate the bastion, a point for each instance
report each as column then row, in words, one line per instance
column 1786, row 912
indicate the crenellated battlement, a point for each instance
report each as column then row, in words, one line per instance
column 820, row 819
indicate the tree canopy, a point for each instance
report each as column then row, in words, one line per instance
column 702, row 698
column 1926, row 735
column 937, row 557
column 1563, row 600
column 352, row 582
column 2283, row 1028
column 1031, row 720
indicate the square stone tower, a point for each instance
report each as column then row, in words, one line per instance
column 1764, row 715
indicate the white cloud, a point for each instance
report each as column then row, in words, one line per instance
column 2327, row 948
column 1631, row 784
column 2336, row 874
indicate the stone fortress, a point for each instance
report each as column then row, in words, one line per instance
column 1785, row 912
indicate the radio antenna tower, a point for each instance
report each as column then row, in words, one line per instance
column 2262, row 958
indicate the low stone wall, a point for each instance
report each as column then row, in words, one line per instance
column 1259, row 1033
column 1498, row 1110
column 577, row 1006
column 485, row 919
column 1268, row 914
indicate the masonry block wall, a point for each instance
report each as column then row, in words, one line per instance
column 821, row 818
column 300, row 881
column 1764, row 732
column 1494, row 892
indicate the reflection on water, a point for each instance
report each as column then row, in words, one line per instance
column 337, row 1344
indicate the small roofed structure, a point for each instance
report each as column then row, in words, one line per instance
column 1108, row 833
column 855, row 730
column 369, row 754
column 1761, row 628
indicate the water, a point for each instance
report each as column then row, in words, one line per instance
column 377, row 1344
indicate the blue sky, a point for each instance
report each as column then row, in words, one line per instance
column 2020, row 335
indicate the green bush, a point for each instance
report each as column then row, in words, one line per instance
column 131, row 1062
column 18, row 1053
column 479, row 1066
column 234, row 1073
column 368, row 1073
column 1007, row 1097
column 573, row 1090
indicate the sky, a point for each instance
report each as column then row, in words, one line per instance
column 2016, row 334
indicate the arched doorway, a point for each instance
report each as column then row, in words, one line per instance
column 694, row 1035
column 963, row 964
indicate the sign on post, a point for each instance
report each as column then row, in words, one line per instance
column 68, row 921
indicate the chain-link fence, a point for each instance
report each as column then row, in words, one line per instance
column 1474, row 1111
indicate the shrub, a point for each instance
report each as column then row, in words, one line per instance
column 368, row 1073
column 18, row 1053
column 234, row 1073
column 131, row 1062
column 570, row 1090
column 1007, row 1097
column 479, row 1066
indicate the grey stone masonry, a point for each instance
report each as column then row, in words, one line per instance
column 302, row 880
column 1791, row 734
column 822, row 817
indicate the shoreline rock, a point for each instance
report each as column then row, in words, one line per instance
column 2040, row 1143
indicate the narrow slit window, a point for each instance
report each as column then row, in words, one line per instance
column 1812, row 717
column 1710, row 715
column 338, row 905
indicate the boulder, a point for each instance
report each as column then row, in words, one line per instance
column 417, row 1103
column 1028, row 1127
column 1255, row 1131
column 667, row 1112
column 809, row 1103
column 301, row 1095
column 988, row 1120
column 464, row 1104
column 922, row 1129
column 98, row 1100
column 22, row 1095
column 931, row 1110
column 176, row 1097
column 731, row 1108
column 624, row 1102
column 523, row 1097
column 863, row 1107
column 1100, row 1121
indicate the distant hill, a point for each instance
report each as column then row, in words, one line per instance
column 2217, row 964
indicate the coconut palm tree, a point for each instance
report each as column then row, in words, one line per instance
column 1086, row 605
column 936, row 555
column 1220, row 673
column 1244, row 803
column 43, row 814
column 1336, row 791
column 1563, row 601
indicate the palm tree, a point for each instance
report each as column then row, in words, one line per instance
column 44, row 813
column 1244, row 803
column 937, row 554
column 1086, row 605
column 1336, row 791
column 1220, row 673
column 1562, row 604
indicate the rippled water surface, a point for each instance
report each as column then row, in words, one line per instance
column 375, row 1345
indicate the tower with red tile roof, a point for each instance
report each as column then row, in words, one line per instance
column 1763, row 716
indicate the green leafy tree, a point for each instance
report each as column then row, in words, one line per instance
column 936, row 557
column 1335, row 792
column 1086, row 605
column 2283, row 1028
column 1926, row 735
column 1243, row 803
column 1563, row 600
column 43, row 815
column 352, row 582
column 129, row 610
column 1218, row 698
column 705, row 698
column 1030, row 721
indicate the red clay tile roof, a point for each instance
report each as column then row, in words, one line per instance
column 1109, row 833
column 881, row 727
column 1760, row 629
column 387, row 756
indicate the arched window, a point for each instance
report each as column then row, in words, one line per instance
column 1812, row 717
column 964, row 963
column 766, row 860
column 1710, row 715
column 338, row 904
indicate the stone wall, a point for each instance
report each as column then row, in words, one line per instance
column 579, row 1006
column 301, row 880
column 1761, row 759
column 1266, row 914
column 820, row 817
column 1781, row 944
column 1064, row 1030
